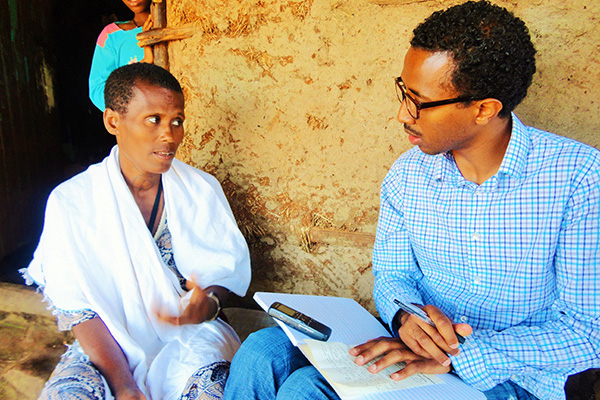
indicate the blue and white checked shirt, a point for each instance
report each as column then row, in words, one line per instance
column 517, row 258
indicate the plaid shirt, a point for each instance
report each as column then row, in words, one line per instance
column 516, row 258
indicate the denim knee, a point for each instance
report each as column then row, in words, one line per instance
column 267, row 347
column 508, row 391
column 262, row 364
column 306, row 383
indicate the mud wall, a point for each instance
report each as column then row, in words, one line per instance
column 291, row 105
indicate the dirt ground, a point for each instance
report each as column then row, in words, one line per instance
column 31, row 344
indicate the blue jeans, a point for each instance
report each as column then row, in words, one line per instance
column 508, row 391
column 268, row 366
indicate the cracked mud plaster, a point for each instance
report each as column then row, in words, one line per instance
column 291, row 105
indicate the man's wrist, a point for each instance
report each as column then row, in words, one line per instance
column 397, row 322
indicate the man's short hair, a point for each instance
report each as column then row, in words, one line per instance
column 491, row 49
column 118, row 90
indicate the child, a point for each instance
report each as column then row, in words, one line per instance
column 117, row 46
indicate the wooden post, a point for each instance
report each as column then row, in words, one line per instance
column 159, row 17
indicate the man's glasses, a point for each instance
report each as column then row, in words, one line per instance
column 414, row 106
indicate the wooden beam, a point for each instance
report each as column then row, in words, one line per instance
column 154, row 36
column 340, row 237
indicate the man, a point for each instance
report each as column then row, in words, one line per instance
column 136, row 256
column 489, row 225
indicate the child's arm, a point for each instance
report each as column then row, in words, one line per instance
column 103, row 63
column 148, row 54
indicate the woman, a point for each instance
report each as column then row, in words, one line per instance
column 137, row 254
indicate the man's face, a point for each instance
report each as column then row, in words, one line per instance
column 150, row 132
column 438, row 129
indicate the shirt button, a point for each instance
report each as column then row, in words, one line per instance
column 476, row 236
column 463, row 318
column 477, row 280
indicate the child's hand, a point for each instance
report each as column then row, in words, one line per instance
column 148, row 24
column 148, row 53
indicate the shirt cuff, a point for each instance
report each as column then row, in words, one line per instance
column 396, row 322
column 470, row 365
column 388, row 309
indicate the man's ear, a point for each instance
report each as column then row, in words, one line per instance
column 111, row 121
column 488, row 110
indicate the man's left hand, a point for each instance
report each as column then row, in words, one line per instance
column 392, row 351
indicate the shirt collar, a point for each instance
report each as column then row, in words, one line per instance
column 444, row 163
column 513, row 162
column 517, row 151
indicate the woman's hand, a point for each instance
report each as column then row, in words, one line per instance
column 199, row 309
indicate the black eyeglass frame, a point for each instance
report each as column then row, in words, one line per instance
column 402, row 94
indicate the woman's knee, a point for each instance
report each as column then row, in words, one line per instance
column 73, row 388
column 207, row 382
column 74, row 379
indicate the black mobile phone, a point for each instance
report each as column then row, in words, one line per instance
column 299, row 321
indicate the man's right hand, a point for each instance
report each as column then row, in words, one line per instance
column 432, row 342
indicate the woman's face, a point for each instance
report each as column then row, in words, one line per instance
column 138, row 6
column 150, row 132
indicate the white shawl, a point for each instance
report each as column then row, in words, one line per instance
column 96, row 253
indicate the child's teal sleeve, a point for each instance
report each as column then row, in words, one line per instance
column 103, row 63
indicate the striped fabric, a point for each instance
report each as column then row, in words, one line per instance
column 516, row 257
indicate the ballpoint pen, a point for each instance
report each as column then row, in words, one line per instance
column 419, row 313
